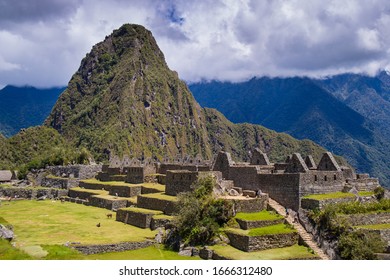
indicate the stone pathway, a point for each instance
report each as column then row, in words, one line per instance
column 307, row 237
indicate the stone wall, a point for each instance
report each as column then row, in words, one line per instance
column 136, row 218
column 256, row 243
column 310, row 204
column 124, row 191
column 135, row 175
column 32, row 193
column 369, row 219
column 244, row 177
column 110, row 204
column 250, row 205
column 106, row 248
column 59, row 183
column 76, row 171
column 284, row 188
column 244, row 224
column 166, row 206
column 165, row 167
column 316, row 182
column 178, row 181
column 364, row 184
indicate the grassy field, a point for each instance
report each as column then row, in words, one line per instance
column 51, row 223
column 335, row 195
column 259, row 216
column 162, row 196
column 59, row 252
column 294, row 252
column 377, row 226
column 274, row 229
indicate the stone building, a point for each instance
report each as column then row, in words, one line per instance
column 287, row 182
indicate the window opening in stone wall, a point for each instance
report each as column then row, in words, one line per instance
column 325, row 178
column 315, row 178
column 334, row 177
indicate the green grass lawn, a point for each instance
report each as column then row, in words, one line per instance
column 91, row 191
column 259, row 216
column 377, row 226
column 52, row 223
column 60, row 252
column 142, row 210
column 274, row 229
column 161, row 196
column 288, row 253
column 335, row 195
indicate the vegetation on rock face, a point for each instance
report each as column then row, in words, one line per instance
column 37, row 147
column 200, row 215
column 360, row 245
column 353, row 243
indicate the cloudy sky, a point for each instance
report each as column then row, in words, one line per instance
column 43, row 41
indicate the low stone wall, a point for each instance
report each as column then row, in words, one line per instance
column 59, row 183
column 124, row 191
column 263, row 242
column 167, row 206
column 250, row 205
column 146, row 190
column 310, row 204
column 109, row 204
column 76, row 171
column 32, row 193
column 136, row 218
column 244, row 224
column 106, row 248
column 80, row 194
column 383, row 233
column 369, row 219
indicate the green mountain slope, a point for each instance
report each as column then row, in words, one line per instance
column 125, row 100
column 22, row 107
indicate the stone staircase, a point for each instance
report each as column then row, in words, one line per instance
column 306, row 237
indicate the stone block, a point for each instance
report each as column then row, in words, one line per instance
column 244, row 224
column 157, row 203
column 248, row 193
column 256, row 243
column 136, row 216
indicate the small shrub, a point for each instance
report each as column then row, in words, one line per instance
column 201, row 216
column 379, row 193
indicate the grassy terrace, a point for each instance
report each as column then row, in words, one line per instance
column 160, row 196
column 109, row 183
column 59, row 252
column 294, row 252
column 120, row 183
column 377, row 226
column 163, row 217
column 48, row 223
column 274, row 229
column 336, row 195
column 259, row 216
column 142, row 210
column 97, row 192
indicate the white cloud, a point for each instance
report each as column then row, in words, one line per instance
column 43, row 43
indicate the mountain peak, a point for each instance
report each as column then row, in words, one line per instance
column 125, row 100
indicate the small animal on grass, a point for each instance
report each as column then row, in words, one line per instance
column 109, row 216
column 98, row 225
column 62, row 200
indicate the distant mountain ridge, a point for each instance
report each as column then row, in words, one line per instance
column 329, row 112
column 23, row 107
